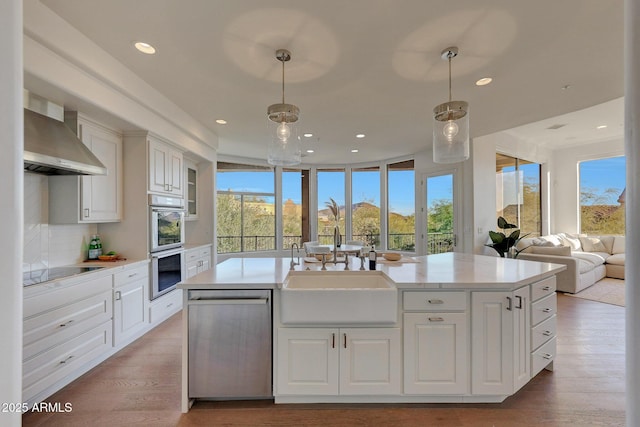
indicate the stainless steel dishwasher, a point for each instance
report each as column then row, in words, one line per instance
column 230, row 344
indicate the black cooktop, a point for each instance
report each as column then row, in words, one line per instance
column 47, row 274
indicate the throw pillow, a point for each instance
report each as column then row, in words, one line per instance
column 618, row 245
column 551, row 250
column 572, row 241
column 592, row 244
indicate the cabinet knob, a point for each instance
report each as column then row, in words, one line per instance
column 546, row 288
column 547, row 333
column 547, row 310
column 436, row 319
column 547, row 356
column 118, row 295
column 62, row 325
column 435, row 301
column 86, row 213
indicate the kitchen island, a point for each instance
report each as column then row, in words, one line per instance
column 468, row 328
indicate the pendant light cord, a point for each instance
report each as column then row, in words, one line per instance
column 449, row 56
column 283, row 80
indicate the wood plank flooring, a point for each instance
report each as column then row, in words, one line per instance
column 140, row 386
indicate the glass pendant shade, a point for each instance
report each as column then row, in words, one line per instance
column 451, row 132
column 284, row 146
column 450, row 124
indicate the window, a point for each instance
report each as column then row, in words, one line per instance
column 401, row 206
column 365, row 202
column 602, row 196
column 245, row 208
column 330, row 186
column 518, row 193
column 295, row 207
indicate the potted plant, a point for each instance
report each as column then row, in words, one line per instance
column 502, row 243
column 333, row 207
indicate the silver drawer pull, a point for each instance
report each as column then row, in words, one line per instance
column 436, row 319
column 435, row 301
column 547, row 310
column 133, row 275
column 547, row 356
column 546, row 288
column 62, row 325
column 169, row 305
column 547, row 333
column 62, row 362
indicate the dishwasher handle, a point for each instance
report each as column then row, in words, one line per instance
column 228, row 301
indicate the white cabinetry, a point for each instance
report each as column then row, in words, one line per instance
column 130, row 289
column 163, row 307
column 501, row 330
column 332, row 361
column 436, row 349
column 165, row 168
column 74, row 199
column 67, row 330
column 543, row 325
column 198, row 260
column 191, row 183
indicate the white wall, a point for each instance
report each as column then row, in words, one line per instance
column 565, row 196
column 11, row 175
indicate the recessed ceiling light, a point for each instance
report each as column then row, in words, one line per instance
column 355, row 150
column 221, row 122
column 565, row 87
column 308, row 135
column 360, row 135
column 145, row 48
column 601, row 127
column 484, row 81
column 310, row 151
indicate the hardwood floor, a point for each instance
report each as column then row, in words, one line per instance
column 140, row 386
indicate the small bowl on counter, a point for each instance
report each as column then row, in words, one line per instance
column 392, row 256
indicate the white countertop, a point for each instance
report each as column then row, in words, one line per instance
column 450, row 270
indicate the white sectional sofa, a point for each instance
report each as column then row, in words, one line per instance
column 588, row 258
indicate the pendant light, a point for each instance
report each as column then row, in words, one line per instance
column 451, row 124
column 284, row 146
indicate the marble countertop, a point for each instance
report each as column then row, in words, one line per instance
column 442, row 271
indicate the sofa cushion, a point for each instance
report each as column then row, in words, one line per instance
column 527, row 243
column 551, row 250
column 618, row 245
column 607, row 241
column 585, row 266
column 592, row 244
column 592, row 257
column 617, row 259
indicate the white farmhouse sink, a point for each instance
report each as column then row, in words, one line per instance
column 338, row 297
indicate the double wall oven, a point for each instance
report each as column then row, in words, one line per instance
column 166, row 243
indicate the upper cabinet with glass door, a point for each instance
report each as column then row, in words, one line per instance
column 191, row 186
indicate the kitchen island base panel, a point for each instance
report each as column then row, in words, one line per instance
column 388, row 399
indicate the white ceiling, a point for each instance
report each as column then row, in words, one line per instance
column 371, row 66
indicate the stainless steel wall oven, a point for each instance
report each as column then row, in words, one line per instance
column 166, row 222
column 167, row 269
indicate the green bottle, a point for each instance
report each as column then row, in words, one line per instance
column 93, row 247
column 99, row 243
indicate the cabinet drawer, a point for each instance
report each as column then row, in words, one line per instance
column 543, row 309
column 165, row 306
column 543, row 356
column 47, row 368
column 57, row 326
column 192, row 255
column 205, row 252
column 434, row 301
column 65, row 294
column 128, row 276
column 543, row 288
column 543, row 332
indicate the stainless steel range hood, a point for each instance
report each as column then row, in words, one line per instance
column 50, row 147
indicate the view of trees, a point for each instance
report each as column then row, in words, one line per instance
column 600, row 212
column 245, row 223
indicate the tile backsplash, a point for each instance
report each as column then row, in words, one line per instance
column 49, row 245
